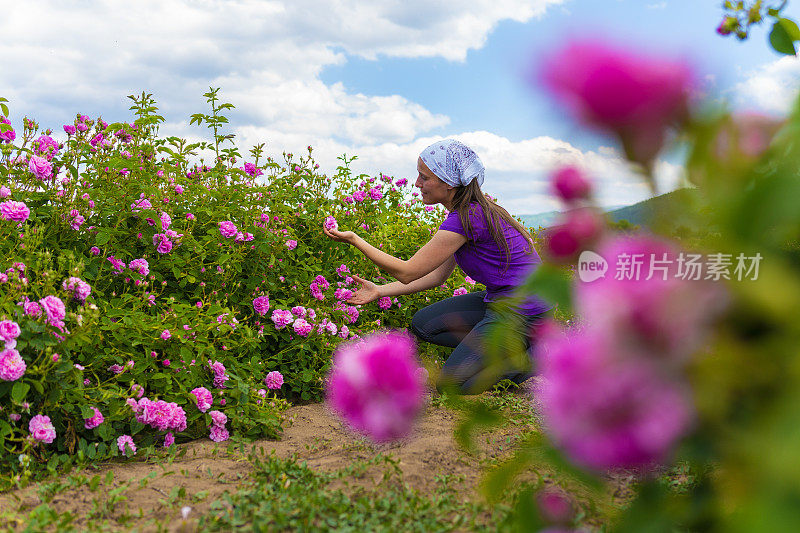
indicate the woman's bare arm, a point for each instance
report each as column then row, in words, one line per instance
column 427, row 259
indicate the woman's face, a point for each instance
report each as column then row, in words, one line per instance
column 432, row 189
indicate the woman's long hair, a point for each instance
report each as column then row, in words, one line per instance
column 467, row 195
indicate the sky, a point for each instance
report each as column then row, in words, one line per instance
column 378, row 79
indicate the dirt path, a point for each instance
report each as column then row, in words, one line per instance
column 152, row 493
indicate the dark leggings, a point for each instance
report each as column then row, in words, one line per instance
column 464, row 323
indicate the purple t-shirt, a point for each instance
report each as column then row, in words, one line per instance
column 484, row 261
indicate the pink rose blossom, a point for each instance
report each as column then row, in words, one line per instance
column 161, row 415
column 42, row 429
column 218, row 433
column 228, row 229
column 55, row 310
column 12, row 365
column 204, row 398
column 126, row 445
column 261, row 305
column 166, row 335
column 220, row 374
column 302, row 327
column 5, row 192
column 385, row 302
column 274, row 380
column 577, row 230
column 281, row 318
column 40, row 167
column 14, row 211
column 80, row 289
column 94, row 250
column 9, row 330
column 344, row 332
column 374, row 385
column 94, row 421
column 330, row 223
column 140, row 204
column 459, row 291
column 291, row 244
column 169, row 440
column 343, row 294
column 140, row 265
column 218, row 418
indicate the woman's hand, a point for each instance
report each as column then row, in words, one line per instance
column 340, row 236
column 368, row 292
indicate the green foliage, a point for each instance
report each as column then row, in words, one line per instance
column 201, row 290
column 741, row 16
column 286, row 495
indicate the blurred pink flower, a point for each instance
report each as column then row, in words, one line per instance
column 291, row 244
column 635, row 96
column 569, row 184
column 606, row 412
column 575, row 231
column 166, row 335
column 330, row 223
column 657, row 311
column 459, row 291
column 385, row 302
column 375, row 386
column 169, row 440
column 218, row 418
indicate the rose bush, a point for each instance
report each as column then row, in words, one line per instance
column 138, row 280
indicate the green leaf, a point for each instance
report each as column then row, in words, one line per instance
column 102, row 237
column 19, row 391
column 550, row 283
column 782, row 36
column 4, row 107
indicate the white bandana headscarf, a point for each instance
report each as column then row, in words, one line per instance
column 453, row 162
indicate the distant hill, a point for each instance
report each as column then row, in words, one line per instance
column 639, row 214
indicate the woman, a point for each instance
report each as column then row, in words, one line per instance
column 486, row 331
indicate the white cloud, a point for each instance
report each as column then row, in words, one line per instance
column 771, row 88
column 61, row 58
column 517, row 173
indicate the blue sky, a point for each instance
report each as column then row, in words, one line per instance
column 375, row 79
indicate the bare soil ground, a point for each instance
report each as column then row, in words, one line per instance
column 149, row 495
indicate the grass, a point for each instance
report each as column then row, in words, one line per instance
column 368, row 495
